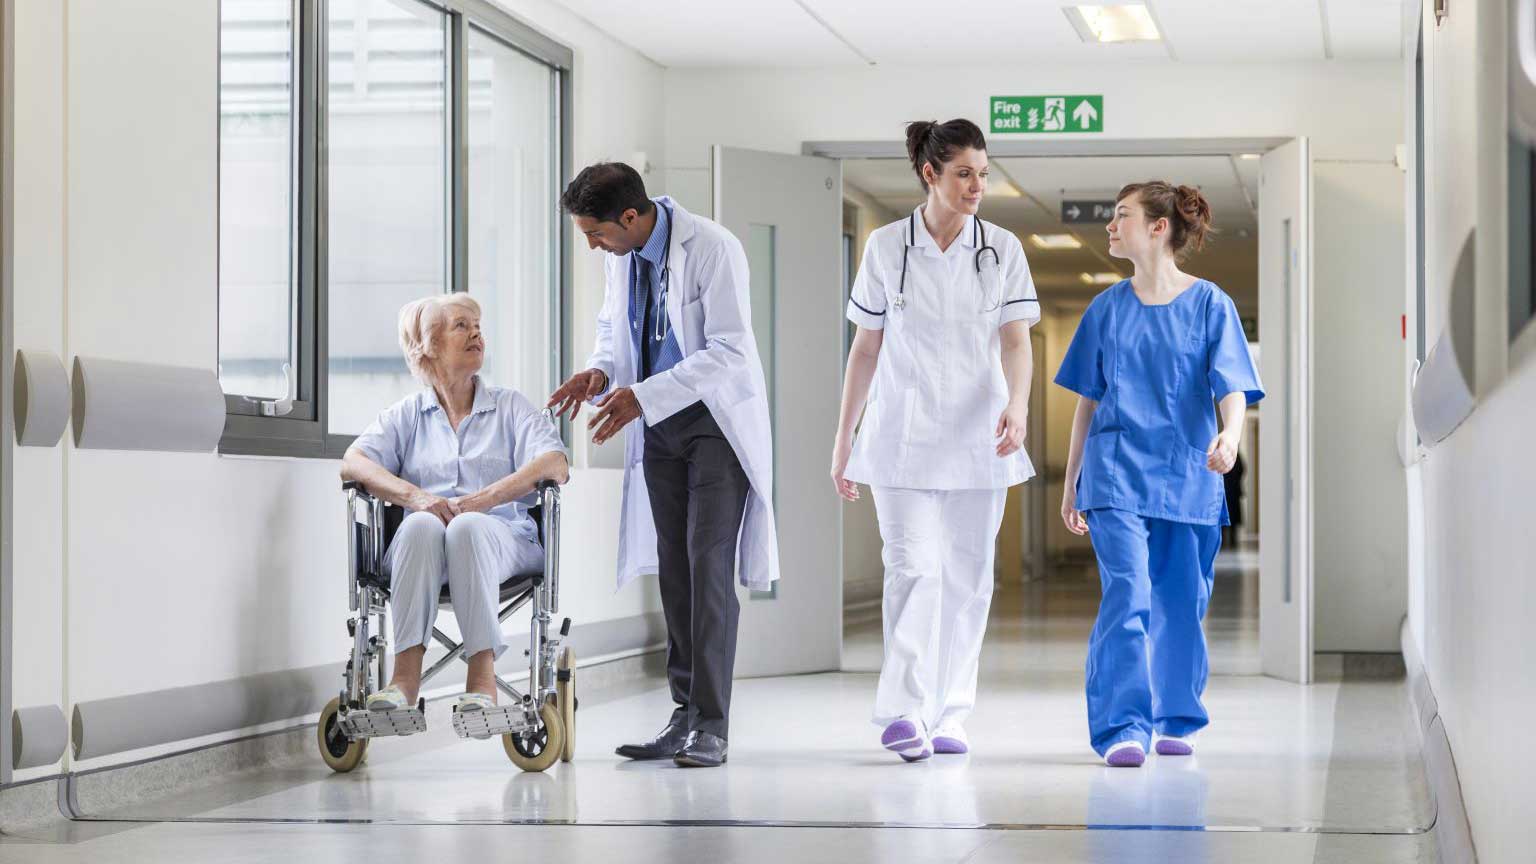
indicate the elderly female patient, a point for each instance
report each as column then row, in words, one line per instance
column 460, row 454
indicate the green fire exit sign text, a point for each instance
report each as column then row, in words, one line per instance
column 1042, row 115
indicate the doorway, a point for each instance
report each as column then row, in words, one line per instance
column 1031, row 194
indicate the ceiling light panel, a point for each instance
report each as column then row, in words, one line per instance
column 1099, row 278
column 1109, row 24
column 1055, row 241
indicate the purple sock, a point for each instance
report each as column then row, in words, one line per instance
column 903, row 738
column 1126, row 757
column 946, row 745
column 1174, row 747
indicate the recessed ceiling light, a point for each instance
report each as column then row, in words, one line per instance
column 1000, row 188
column 1055, row 241
column 1249, row 157
column 1099, row 278
column 1125, row 23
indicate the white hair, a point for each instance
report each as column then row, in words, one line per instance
column 421, row 328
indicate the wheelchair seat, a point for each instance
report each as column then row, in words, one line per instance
column 513, row 585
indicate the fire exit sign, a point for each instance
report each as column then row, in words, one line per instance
column 1046, row 115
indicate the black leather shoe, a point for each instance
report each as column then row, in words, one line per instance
column 664, row 746
column 701, row 750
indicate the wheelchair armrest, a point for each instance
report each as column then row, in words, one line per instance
column 548, row 484
column 357, row 488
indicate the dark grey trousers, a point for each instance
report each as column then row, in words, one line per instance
column 698, row 494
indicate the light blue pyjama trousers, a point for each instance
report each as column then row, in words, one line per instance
column 472, row 555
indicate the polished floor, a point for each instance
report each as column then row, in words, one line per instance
column 1322, row 773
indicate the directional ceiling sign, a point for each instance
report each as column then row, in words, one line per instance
column 1086, row 212
column 1047, row 115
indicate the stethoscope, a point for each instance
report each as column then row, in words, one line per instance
column 983, row 252
column 662, row 326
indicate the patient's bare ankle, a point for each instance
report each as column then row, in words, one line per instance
column 481, row 677
column 407, row 672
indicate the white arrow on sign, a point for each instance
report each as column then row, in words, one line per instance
column 1073, row 212
column 1085, row 113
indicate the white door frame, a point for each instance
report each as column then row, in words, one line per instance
column 1003, row 147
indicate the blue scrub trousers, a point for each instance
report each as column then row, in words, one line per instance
column 1146, row 658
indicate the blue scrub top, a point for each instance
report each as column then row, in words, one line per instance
column 1157, row 372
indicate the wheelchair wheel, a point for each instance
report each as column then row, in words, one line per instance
column 339, row 752
column 537, row 750
column 565, row 698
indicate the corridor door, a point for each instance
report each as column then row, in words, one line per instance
column 1285, row 415
column 787, row 212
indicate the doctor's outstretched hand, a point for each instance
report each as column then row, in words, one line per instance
column 614, row 412
column 846, row 489
column 1010, row 429
column 576, row 390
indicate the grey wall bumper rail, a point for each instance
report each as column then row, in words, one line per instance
column 1444, row 390
column 103, row 727
column 42, row 398
column 38, row 736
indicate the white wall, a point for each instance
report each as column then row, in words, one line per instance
column 1360, row 577
column 142, row 571
column 37, row 598
column 1351, row 110
column 1478, row 597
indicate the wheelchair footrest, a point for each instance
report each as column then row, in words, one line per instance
column 382, row 724
column 490, row 722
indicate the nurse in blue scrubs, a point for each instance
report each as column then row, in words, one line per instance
column 1150, row 359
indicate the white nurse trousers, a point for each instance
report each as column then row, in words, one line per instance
column 938, row 551
column 471, row 555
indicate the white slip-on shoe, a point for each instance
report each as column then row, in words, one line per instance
column 389, row 699
column 473, row 702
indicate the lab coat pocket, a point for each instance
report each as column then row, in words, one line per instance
column 734, row 390
column 1201, row 492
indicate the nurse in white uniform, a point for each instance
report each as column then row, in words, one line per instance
column 940, row 368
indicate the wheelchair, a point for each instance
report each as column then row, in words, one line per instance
column 537, row 728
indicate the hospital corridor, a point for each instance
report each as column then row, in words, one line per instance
column 767, row 430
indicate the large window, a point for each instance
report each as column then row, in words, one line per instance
column 423, row 155
column 257, row 285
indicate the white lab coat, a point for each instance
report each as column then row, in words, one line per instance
column 709, row 310
column 938, row 388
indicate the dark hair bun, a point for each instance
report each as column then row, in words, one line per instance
column 935, row 143
column 918, row 132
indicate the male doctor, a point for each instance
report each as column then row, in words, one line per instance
column 675, row 349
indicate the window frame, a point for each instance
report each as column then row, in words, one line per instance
column 304, row 432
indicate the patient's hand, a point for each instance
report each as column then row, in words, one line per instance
column 442, row 508
column 476, row 502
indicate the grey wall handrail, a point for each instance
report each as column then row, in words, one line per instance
column 1444, row 391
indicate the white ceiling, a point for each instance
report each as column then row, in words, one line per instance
column 775, row 33
column 1229, row 183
